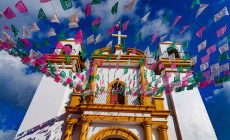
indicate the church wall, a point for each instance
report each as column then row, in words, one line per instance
column 76, row 48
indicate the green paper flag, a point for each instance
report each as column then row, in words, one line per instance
column 198, row 76
column 193, row 4
column 14, row 30
column 145, row 74
column 228, row 37
column 189, row 87
column 24, row 52
column 197, row 1
column 172, row 46
column 100, row 53
column 176, row 79
column 62, row 74
column 20, row 43
column 190, row 79
column 66, row 4
column 152, row 73
column 92, row 54
column 134, row 77
column 123, row 44
column 155, row 53
column 180, row 69
column 95, row 27
column 96, row 2
column 188, row 68
column 166, row 18
column 83, row 53
column 154, row 78
column 74, row 77
column 185, row 45
column 79, row 70
column 223, row 56
column 92, row 78
column 67, row 58
column 36, row 45
column 61, row 36
column 97, row 77
column 219, row 80
column 14, row 51
column 186, row 57
column 138, row 37
column 126, row 70
column 114, row 8
column 108, row 57
column 45, row 43
column 141, row 62
column 41, row 15
column 70, row 73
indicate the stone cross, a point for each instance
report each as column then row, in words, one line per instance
column 119, row 36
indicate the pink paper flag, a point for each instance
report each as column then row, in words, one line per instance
column 211, row 49
column 184, row 28
column 26, row 42
column 221, row 31
column 78, row 41
column 79, row 35
column 46, row 56
column 96, row 21
column 26, row 60
column 167, row 89
column 125, row 25
column 57, row 78
column 189, row 73
column 54, row 55
column 88, row 9
column 203, row 84
column 9, row 13
column 6, row 27
column 68, row 80
column 153, row 65
column 117, row 65
column 173, row 66
column 206, row 74
column 166, row 79
column 44, row 1
column 135, row 93
column 101, row 63
column 44, row 70
column 184, row 83
column 59, row 45
column 90, row 71
column 175, row 21
column 67, row 49
column 94, row 62
column 6, row 45
column 109, row 66
column 78, row 75
column 146, row 62
column 134, row 69
column 130, row 81
column 199, row 33
column 21, row 7
column 161, row 65
column 134, row 50
column 82, row 77
column 204, row 58
column 154, row 37
column 111, row 30
column 40, row 62
column 134, row 83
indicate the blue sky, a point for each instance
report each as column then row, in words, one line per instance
column 18, row 82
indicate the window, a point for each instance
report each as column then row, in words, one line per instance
column 62, row 51
column 174, row 50
column 117, row 93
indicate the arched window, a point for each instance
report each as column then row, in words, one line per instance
column 116, row 93
column 172, row 50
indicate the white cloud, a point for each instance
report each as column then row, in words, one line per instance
column 17, row 86
column 7, row 135
column 223, row 91
column 222, row 41
column 187, row 36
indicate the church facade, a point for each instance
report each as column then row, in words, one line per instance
column 112, row 109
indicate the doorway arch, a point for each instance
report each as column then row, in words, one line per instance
column 115, row 132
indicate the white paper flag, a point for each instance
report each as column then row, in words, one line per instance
column 147, row 52
column 109, row 45
column 224, row 67
column 222, row 13
column 34, row 27
column 73, row 24
column 214, row 67
column 171, row 57
column 98, row 39
column 1, row 15
column 90, row 39
column 193, row 60
column 11, row 43
column 129, row 5
column 74, row 17
column 55, row 18
column 87, row 63
column 25, row 32
column 215, row 73
column 201, row 9
column 163, row 38
column 223, row 48
column 51, row 32
column 128, row 63
column 202, row 46
column 204, row 66
column 119, row 56
column 56, row 67
column 63, row 65
column 5, row 35
column 144, row 18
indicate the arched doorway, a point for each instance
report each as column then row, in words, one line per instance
column 115, row 133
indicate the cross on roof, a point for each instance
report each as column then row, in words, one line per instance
column 119, row 36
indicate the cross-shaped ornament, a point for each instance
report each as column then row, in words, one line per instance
column 119, row 36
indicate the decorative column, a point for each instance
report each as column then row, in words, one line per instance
column 162, row 129
column 90, row 98
column 70, row 122
column 144, row 100
column 92, row 83
column 148, row 130
column 84, row 128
